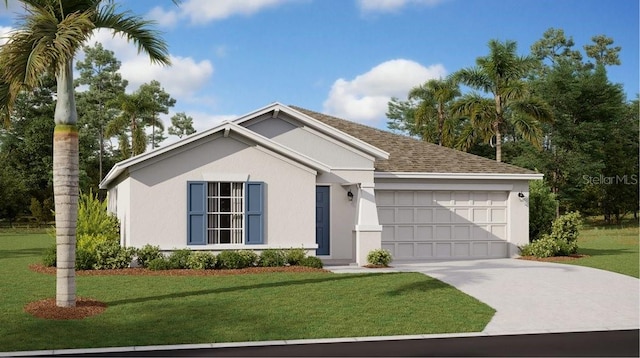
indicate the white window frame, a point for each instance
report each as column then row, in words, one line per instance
column 225, row 213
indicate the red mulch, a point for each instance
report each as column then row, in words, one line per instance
column 47, row 309
column 554, row 258
column 86, row 307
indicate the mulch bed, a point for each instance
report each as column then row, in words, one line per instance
column 554, row 258
column 87, row 307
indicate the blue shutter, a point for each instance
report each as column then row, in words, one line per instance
column 196, row 213
column 254, row 213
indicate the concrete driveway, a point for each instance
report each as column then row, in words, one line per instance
column 538, row 297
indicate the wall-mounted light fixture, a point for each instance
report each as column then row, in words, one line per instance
column 520, row 195
column 350, row 195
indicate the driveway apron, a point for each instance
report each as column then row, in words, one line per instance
column 537, row 297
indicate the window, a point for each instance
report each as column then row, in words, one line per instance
column 224, row 213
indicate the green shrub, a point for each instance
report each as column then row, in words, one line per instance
column 201, row 260
column 562, row 241
column 311, row 261
column 147, row 253
column 49, row 257
column 93, row 218
column 85, row 259
column 89, row 242
column 295, row 256
column 543, row 247
column 379, row 257
column 230, row 260
column 178, row 258
column 110, row 255
column 542, row 209
column 159, row 263
column 248, row 258
column 272, row 258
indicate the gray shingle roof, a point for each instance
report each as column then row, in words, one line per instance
column 411, row 155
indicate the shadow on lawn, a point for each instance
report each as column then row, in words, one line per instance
column 328, row 278
column 605, row 252
column 17, row 253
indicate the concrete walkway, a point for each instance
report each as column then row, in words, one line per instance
column 537, row 297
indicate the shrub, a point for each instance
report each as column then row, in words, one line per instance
column 178, row 258
column 89, row 242
column 295, row 256
column 110, row 255
column 147, row 253
column 159, row 263
column 93, row 218
column 562, row 241
column 248, row 258
column 542, row 209
column 201, row 260
column 50, row 256
column 230, row 260
column 85, row 259
column 272, row 258
column 311, row 261
column 379, row 257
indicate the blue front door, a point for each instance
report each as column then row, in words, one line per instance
column 322, row 220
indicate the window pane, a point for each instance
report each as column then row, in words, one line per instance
column 225, row 236
column 225, row 205
column 225, row 221
column 225, row 189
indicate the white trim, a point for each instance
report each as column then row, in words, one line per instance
column 444, row 186
column 368, row 228
column 316, row 124
column 483, row 176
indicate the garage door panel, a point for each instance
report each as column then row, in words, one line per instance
column 443, row 215
column 462, row 233
column 424, row 216
column 443, row 224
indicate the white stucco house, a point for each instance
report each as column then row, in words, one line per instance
column 286, row 177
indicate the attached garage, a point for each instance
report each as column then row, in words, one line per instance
column 443, row 224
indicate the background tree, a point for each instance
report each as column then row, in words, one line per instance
column 99, row 72
column 501, row 74
column 159, row 102
column 602, row 52
column 46, row 41
column 181, row 125
column 434, row 98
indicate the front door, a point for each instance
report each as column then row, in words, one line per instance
column 322, row 220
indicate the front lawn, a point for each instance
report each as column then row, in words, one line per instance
column 156, row 310
column 610, row 247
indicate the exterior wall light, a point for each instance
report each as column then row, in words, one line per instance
column 350, row 195
column 520, row 195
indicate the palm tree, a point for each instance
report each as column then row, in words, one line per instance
column 434, row 97
column 46, row 41
column 501, row 74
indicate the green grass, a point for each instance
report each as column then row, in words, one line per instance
column 610, row 247
column 154, row 310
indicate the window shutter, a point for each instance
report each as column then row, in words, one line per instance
column 254, row 213
column 196, row 213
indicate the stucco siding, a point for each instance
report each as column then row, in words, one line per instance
column 159, row 193
column 311, row 143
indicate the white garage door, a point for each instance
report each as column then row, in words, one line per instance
column 443, row 224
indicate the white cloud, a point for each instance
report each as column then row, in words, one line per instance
column 392, row 5
column 365, row 98
column 4, row 33
column 183, row 78
column 204, row 11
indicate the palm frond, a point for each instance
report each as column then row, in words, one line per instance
column 135, row 29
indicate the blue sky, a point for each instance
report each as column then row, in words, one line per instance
column 346, row 57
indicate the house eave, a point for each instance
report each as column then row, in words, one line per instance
column 457, row 176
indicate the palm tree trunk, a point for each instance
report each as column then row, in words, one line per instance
column 496, row 128
column 65, row 187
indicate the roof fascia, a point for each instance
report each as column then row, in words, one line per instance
column 482, row 176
